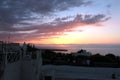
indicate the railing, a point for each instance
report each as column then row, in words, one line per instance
column 9, row 57
column 13, row 57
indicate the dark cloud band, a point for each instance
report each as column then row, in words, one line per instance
column 17, row 13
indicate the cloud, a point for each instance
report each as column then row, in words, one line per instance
column 58, row 27
column 17, row 17
column 11, row 12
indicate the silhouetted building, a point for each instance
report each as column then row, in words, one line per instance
column 82, row 53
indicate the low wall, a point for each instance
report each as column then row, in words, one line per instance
column 72, row 72
column 12, row 71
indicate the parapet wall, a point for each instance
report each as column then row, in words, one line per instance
column 72, row 72
column 12, row 71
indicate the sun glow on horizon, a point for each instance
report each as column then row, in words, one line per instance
column 91, row 35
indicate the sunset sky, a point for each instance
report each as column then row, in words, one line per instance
column 60, row 21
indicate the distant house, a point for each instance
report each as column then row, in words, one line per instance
column 82, row 53
column 9, row 47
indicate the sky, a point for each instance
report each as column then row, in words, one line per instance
column 60, row 21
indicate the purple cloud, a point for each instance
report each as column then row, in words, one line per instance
column 58, row 26
column 16, row 17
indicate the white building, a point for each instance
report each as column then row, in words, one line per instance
column 29, row 67
column 82, row 53
column 15, row 64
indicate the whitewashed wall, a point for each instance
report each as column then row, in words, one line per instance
column 31, row 69
column 72, row 72
column 12, row 71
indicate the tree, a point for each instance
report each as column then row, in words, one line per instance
column 110, row 55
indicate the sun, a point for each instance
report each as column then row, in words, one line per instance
column 62, row 41
column 65, row 39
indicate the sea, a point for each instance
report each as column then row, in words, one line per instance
column 102, row 49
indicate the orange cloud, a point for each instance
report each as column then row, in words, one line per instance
column 50, row 32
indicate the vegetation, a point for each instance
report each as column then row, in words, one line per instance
column 31, row 50
column 96, row 60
